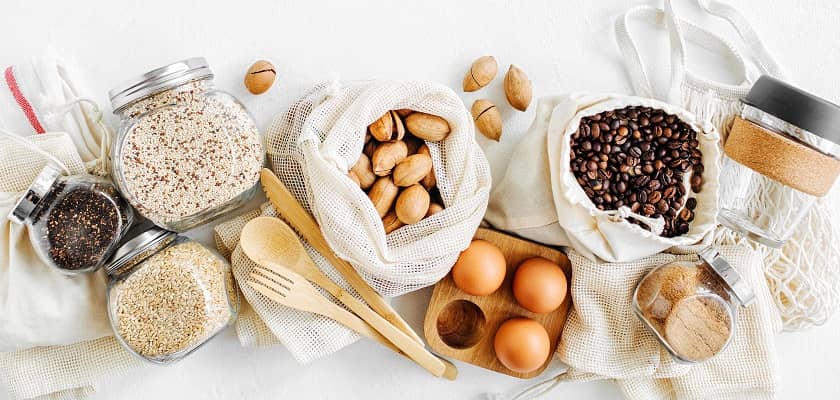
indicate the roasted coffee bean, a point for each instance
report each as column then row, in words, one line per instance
column 638, row 157
column 691, row 203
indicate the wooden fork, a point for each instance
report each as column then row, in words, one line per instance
column 293, row 291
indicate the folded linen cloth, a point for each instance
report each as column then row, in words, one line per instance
column 603, row 338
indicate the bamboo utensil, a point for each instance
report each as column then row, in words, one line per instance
column 298, row 218
column 273, row 244
column 294, row 291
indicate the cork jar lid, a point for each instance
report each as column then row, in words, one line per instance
column 796, row 106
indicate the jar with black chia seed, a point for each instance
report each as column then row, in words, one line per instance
column 186, row 152
column 75, row 222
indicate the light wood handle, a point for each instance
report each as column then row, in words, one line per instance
column 296, row 216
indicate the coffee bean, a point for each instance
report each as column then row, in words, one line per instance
column 638, row 157
column 691, row 203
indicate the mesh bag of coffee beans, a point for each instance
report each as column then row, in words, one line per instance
column 615, row 177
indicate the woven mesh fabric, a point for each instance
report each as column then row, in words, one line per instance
column 603, row 336
column 263, row 322
column 312, row 146
column 63, row 372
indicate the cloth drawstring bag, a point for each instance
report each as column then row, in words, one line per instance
column 539, row 196
column 802, row 274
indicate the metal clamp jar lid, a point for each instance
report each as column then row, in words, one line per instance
column 158, row 80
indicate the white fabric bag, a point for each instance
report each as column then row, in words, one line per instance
column 802, row 274
column 40, row 306
column 540, row 199
column 312, row 146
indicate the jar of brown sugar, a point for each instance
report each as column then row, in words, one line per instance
column 781, row 154
column 74, row 222
column 186, row 152
column 692, row 307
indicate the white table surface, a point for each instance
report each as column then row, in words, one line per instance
column 562, row 45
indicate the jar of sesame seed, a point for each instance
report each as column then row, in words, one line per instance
column 186, row 152
column 74, row 222
column 168, row 295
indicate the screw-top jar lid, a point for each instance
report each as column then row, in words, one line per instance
column 740, row 287
column 796, row 106
column 158, row 80
column 34, row 194
column 138, row 248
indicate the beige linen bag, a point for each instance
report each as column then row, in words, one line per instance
column 557, row 211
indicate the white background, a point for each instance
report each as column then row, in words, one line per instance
column 562, row 45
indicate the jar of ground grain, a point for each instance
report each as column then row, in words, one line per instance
column 781, row 154
column 168, row 295
column 186, row 152
column 75, row 222
column 691, row 307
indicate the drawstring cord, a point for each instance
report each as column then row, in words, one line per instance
column 101, row 165
column 657, row 225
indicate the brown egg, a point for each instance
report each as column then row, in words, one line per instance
column 480, row 269
column 522, row 345
column 539, row 285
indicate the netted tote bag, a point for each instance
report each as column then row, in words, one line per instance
column 539, row 197
column 313, row 145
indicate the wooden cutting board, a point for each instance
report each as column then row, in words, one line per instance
column 462, row 326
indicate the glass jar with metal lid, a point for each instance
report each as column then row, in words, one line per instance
column 186, row 152
column 168, row 295
column 75, row 222
column 692, row 307
column 782, row 153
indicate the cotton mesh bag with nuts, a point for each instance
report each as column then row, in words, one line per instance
column 313, row 146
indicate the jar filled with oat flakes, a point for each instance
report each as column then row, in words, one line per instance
column 186, row 152
column 691, row 307
column 168, row 295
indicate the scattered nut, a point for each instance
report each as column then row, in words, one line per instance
column 391, row 222
column 364, row 172
column 412, row 169
column 487, row 119
column 260, row 77
column 387, row 155
column 427, row 126
column 517, row 88
column 481, row 72
column 382, row 194
column 412, row 204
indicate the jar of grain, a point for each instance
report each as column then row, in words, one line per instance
column 692, row 307
column 168, row 295
column 782, row 153
column 75, row 222
column 186, row 152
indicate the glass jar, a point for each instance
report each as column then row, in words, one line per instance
column 75, row 222
column 691, row 307
column 781, row 154
column 185, row 152
column 168, row 295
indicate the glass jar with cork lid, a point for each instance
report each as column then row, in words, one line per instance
column 168, row 295
column 692, row 307
column 782, row 154
column 186, row 152
column 74, row 222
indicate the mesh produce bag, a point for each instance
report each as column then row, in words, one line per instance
column 604, row 339
column 313, row 145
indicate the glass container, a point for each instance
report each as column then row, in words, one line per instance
column 168, row 295
column 691, row 307
column 185, row 152
column 781, row 155
column 74, row 222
